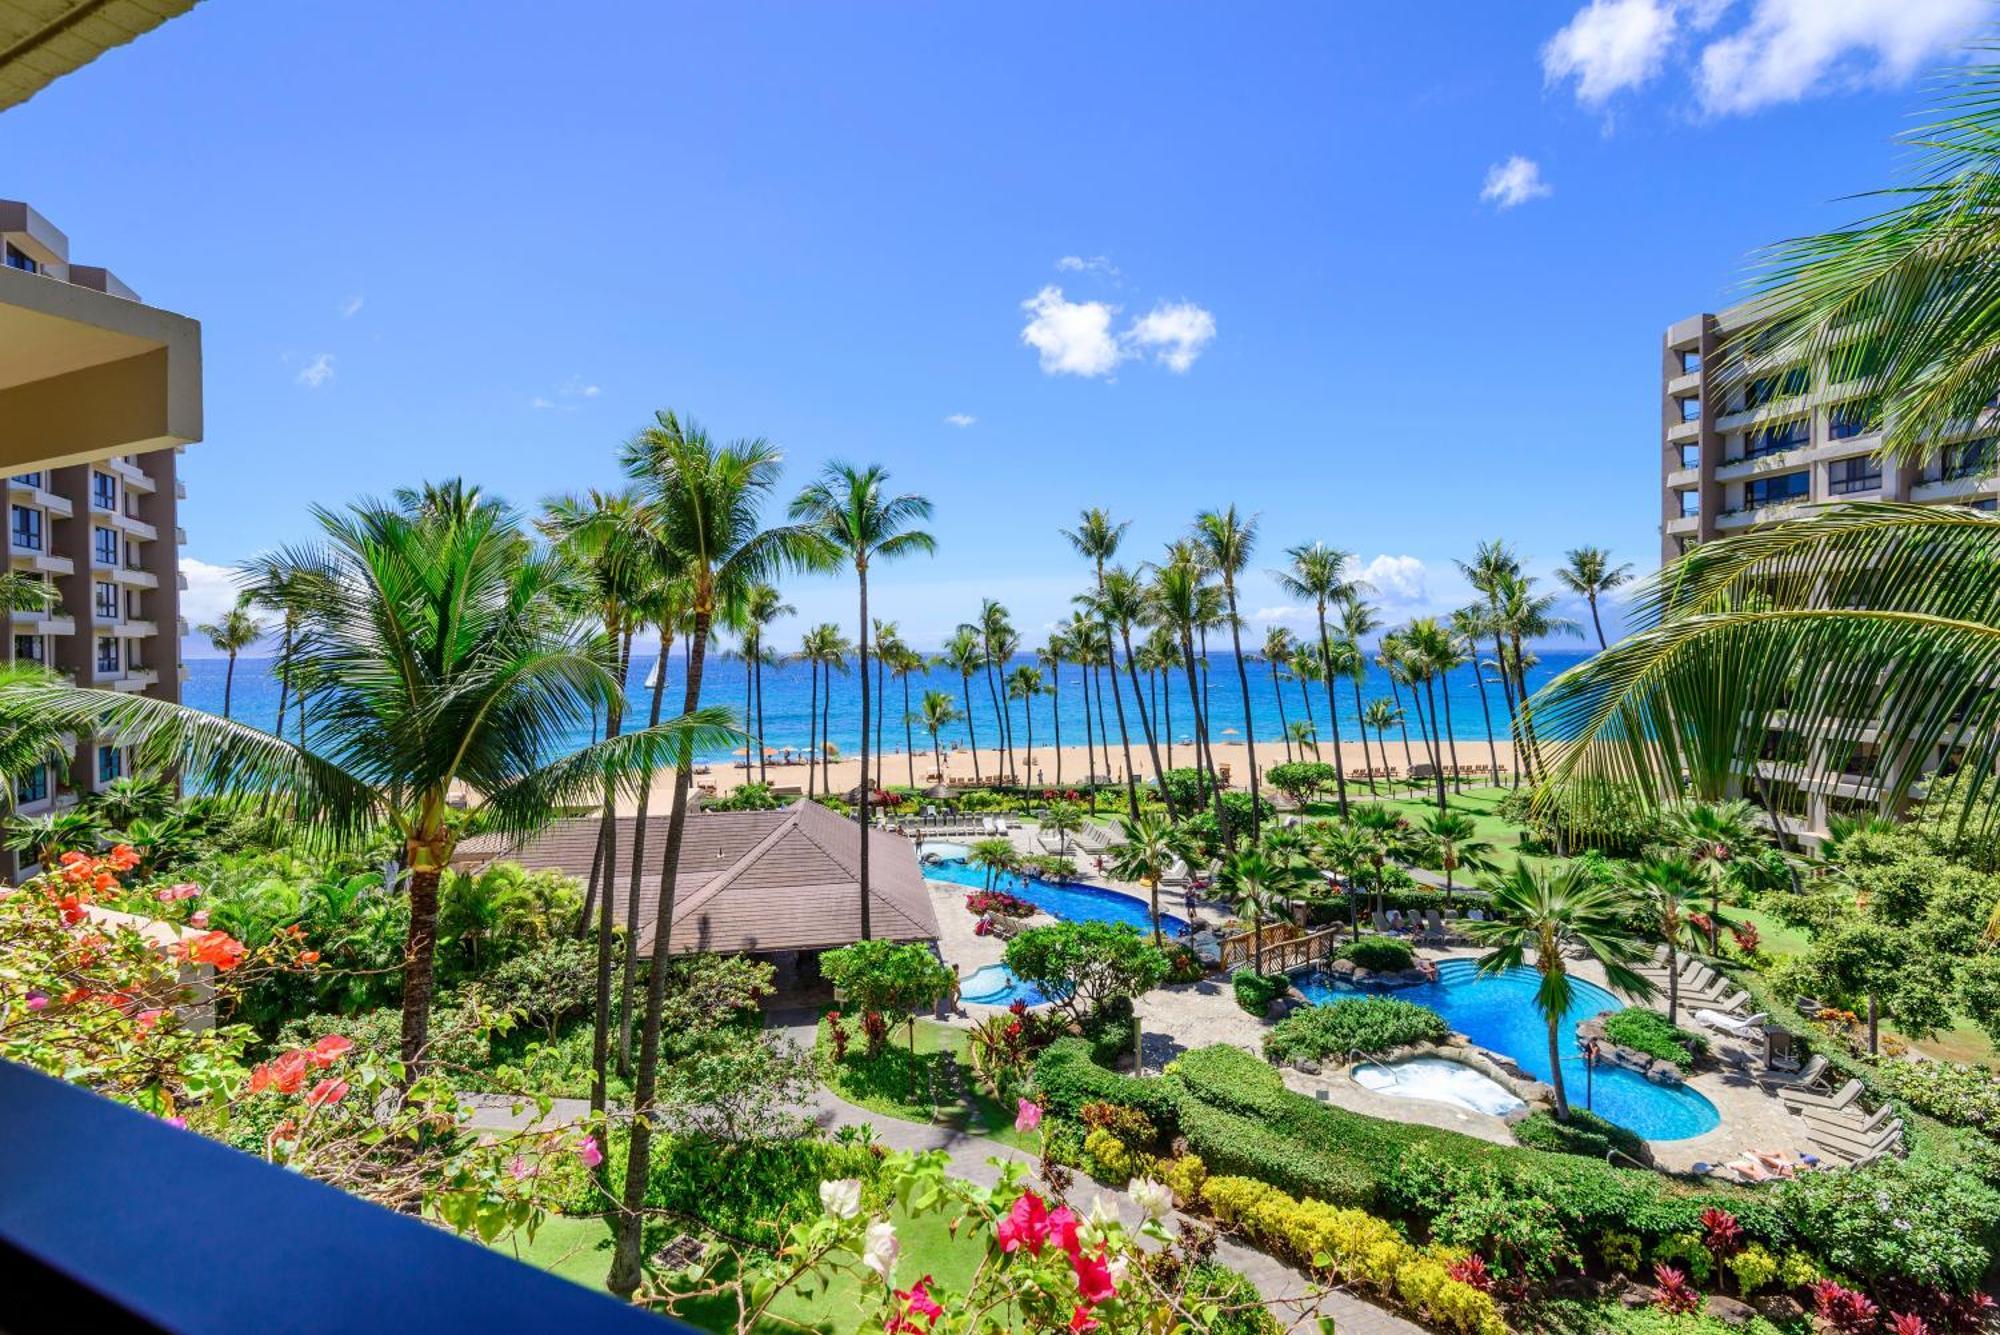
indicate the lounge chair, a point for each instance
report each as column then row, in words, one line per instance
column 1475, row 915
column 1847, row 1126
column 1734, row 1026
column 1889, row 1138
column 1802, row 1079
column 1799, row 1100
column 1396, row 923
column 1433, row 923
column 1381, row 922
column 1734, row 1000
column 1701, row 978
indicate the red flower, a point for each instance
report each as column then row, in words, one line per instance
column 147, row 1019
column 72, row 909
column 1472, row 1271
column 325, row 1092
column 1676, row 1297
column 123, row 856
column 72, row 859
column 218, row 948
column 1093, row 1277
column 917, row 1302
column 1026, row 1225
column 309, row 957
column 1081, row 1320
column 328, row 1050
column 284, row 1074
column 1721, row 1234
column 1062, row 1227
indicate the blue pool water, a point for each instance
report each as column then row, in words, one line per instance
column 996, row 985
column 1077, row 903
column 1498, row 1012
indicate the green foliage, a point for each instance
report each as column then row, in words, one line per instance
column 1256, row 991
column 1608, row 818
column 1914, row 1220
column 1354, row 1024
column 752, row 1192
column 1648, row 1032
column 1383, row 954
column 886, row 977
column 1951, row 1092
column 458, row 1043
column 1084, row 964
column 1066, row 1079
column 1226, row 1302
column 748, row 797
column 1109, row 1030
column 548, row 984
column 1585, row 1133
column 1302, row 781
column 1524, row 1236
column 1754, row 1268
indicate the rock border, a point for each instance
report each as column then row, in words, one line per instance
column 1536, row 1095
column 1659, row 1070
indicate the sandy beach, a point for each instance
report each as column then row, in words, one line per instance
column 1047, row 770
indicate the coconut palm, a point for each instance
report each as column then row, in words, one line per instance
column 1667, row 890
column 1307, row 668
column 1304, row 736
column 1542, row 916
column 707, row 499
column 1065, row 818
column 1588, row 573
column 231, row 633
column 1347, row 853
column 855, row 520
column 1121, row 600
column 1096, row 538
column 1319, row 572
column 936, row 714
column 995, row 857
column 1178, row 602
column 997, row 641
column 1492, row 563
column 827, row 649
column 1381, row 715
column 1145, row 855
column 1024, row 683
column 1256, row 885
column 1087, row 649
column 1279, row 647
column 1358, row 620
column 888, row 645
column 1388, row 838
column 277, row 582
column 1453, row 839
column 1159, row 654
column 1050, row 656
column 28, row 742
column 1392, row 656
column 1525, row 616
column 1720, row 842
column 1467, row 625
column 964, row 654
column 1435, row 650
column 1226, row 540
column 763, row 607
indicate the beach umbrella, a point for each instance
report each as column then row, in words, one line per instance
column 939, row 790
column 1231, row 732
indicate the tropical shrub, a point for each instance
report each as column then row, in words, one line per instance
column 1066, row 1079
column 999, row 901
column 1301, row 780
column 1084, row 965
column 1228, row 1301
column 1256, row 991
column 1914, row 1220
column 546, row 985
column 753, row 1191
column 886, row 979
column 1585, row 1133
column 1648, row 1031
column 1949, row 1091
column 1383, row 954
column 1183, row 964
column 1355, row 1024
column 748, row 797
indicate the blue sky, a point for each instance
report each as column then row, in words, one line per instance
column 1391, row 277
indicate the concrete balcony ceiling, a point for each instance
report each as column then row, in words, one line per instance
column 42, row 40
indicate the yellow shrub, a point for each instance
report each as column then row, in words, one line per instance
column 1184, row 1176
column 1355, row 1247
column 1110, row 1160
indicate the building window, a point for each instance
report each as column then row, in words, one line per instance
column 107, row 654
column 1776, row 438
column 1690, row 409
column 1775, row 490
column 20, row 259
column 1690, row 456
column 1690, row 361
column 107, row 601
column 1690, row 503
column 1844, row 477
column 28, row 649
column 1968, row 458
column 32, row 786
column 29, row 480
column 103, row 490
column 1857, row 418
column 104, row 546
column 25, row 526
column 1988, row 504
column 110, row 763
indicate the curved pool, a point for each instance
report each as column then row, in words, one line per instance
column 1076, row 903
column 943, row 851
column 1497, row 1012
column 1438, row 1080
column 996, row 985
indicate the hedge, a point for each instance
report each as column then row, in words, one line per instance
column 1648, row 1032
column 1384, row 954
column 1228, row 1143
column 1584, row 1133
column 1066, row 1079
column 1256, row 991
column 1354, row 1024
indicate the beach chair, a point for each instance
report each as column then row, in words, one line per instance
column 1735, row 1026
column 1735, row 1000
column 1396, row 922
column 1799, row 1099
column 1842, row 1124
column 1807, row 1078
column 1381, row 922
column 1853, row 1147
column 1701, row 978
column 1475, row 915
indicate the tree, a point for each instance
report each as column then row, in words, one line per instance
column 1065, row 818
column 1588, row 573
column 1666, row 889
column 825, row 649
column 963, row 654
column 231, row 633
column 852, row 518
column 1543, row 915
column 937, row 714
column 1279, row 648
column 1227, row 540
column 1081, row 966
column 1381, row 715
column 1386, row 835
column 763, row 607
column 1453, row 839
column 1492, row 564
column 996, row 644
column 1256, row 886
column 1319, row 572
column 995, row 857
column 1525, row 617
column 1096, row 538
column 1467, row 625
column 1179, row 602
column 905, row 661
column 1357, row 620
column 1024, row 683
column 887, row 978
column 707, row 499
column 1145, row 855
column 1720, row 842
column 1346, row 852
column 1434, row 652
column 1302, row 780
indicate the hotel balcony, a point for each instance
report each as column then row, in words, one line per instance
column 39, row 560
column 1955, row 490
column 136, row 526
column 136, row 679
column 180, row 490
column 136, row 478
column 1680, row 432
column 1777, row 461
column 42, row 622
column 1683, row 385
column 1683, row 524
column 138, row 579
column 136, row 630
column 1683, row 478
column 27, row 492
column 1730, row 520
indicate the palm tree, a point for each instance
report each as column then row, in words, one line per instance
column 1051, row 656
column 1435, row 650
column 1024, row 683
column 1392, row 656
column 993, row 856
column 707, row 499
column 1492, row 563
column 828, row 649
column 1589, row 573
column 937, row 714
column 1358, row 620
column 46, row 837
column 1065, row 818
column 1526, row 616
column 904, row 661
column 964, row 654
column 996, row 633
column 1122, row 600
column 1453, row 839
column 763, row 606
column 1544, row 915
column 278, row 582
column 1381, row 715
column 1305, row 736
column 1096, row 539
column 1666, row 888
column 1347, row 853
column 888, row 644
column 1227, row 540
column 1087, row 647
column 1467, row 625
column 1160, row 653
column 1720, row 842
column 1279, row 648
column 854, row 518
column 1308, row 667
column 1145, row 855
column 1319, row 572
column 231, row 633
column 1386, row 835
column 1176, row 598
column 1255, row 885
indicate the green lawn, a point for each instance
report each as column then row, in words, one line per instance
column 922, row 1090
column 1481, row 804
column 580, row 1250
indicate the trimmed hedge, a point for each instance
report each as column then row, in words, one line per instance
column 1384, row 954
column 1066, row 1079
column 1229, row 1143
column 1648, row 1032
column 1354, row 1024
column 1256, row 991
column 1585, row 1133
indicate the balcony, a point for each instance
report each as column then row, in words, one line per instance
column 1682, row 478
column 45, row 621
column 138, row 579
column 1679, row 432
column 1681, row 525
column 136, row 630
column 1954, row 490
column 1751, row 516
column 137, row 527
column 1756, row 465
column 1684, row 384
column 39, row 561
column 136, row 679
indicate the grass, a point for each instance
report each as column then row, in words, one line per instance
column 579, row 1250
column 923, row 1088
column 1481, row 804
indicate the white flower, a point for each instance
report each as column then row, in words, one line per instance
column 1152, row 1197
column 842, row 1198
column 879, row 1248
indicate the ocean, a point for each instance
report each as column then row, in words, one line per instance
column 786, row 714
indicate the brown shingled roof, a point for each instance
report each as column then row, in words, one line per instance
column 749, row 880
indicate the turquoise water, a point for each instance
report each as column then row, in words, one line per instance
column 1498, row 1012
column 1076, row 903
column 996, row 985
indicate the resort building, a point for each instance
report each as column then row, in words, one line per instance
column 1765, row 445
column 780, row 885
column 98, row 394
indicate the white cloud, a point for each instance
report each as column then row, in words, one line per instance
column 1175, row 332
column 211, row 591
column 1398, row 581
column 539, row 402
column 1098, row 264
column 1611, row 45
column 1071, row 337
column 1792, row 49
column 317, row 372
column 566, row 394
column 1515, row 181
column 960, row 419
column 350, row 307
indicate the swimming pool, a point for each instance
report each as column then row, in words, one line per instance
column 1077, row 903
column 944, row 850
column 1498, row 1013
column 996, row 985
column 1438, row 1081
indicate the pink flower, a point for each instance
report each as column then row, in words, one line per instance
column 917, row 1302
column 587, row 1151
column 328, row 1050
column 327, row 1091
column 199, row 918
column 1026, row 1225
column 1062, row 1227
column 1093, row 1277
column 38, row 1000
column 1027, row 1117
column 1081, row 1320
column 518, row 1169
column 175, row 893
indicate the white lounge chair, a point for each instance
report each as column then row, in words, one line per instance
column 1841, row 1124
column 1799, row 1100
column 1735, row 1000
column 1806, row 1078
column 1734, row 1026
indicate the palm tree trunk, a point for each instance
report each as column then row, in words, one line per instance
column 881, row 694
column 625, row 1272
column 228, row 684
column 1437, row 750
column 1097, row 673
column 1165, row 684
column 1249, row 724
column 1556, row 1070
column 1055, row 712
column 419, row 964
column 629, row 983
column 1002, row 747
column 748, row 696
column 1673, row 981
column 1312, row 723
column 284, row 677
column 1089, row 749
column 1402, row 721
column 1507, row 694
column 607, row 837
column 1367, row 758
column 1257, row 937
column 812, row 731
column 1450, row 735
column 971, row 738
column 763, row 761
column 1139, row 703
column 1595, row 621
column 1118, row 704
column 826, row 731
column 1028, row 763
column 1284, row 727
column 1486, row 708
column 909, row 731
column 861, row 807
column 1201, row 735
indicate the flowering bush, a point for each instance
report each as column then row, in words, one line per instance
column 1676, row 1296
column 982, row 902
